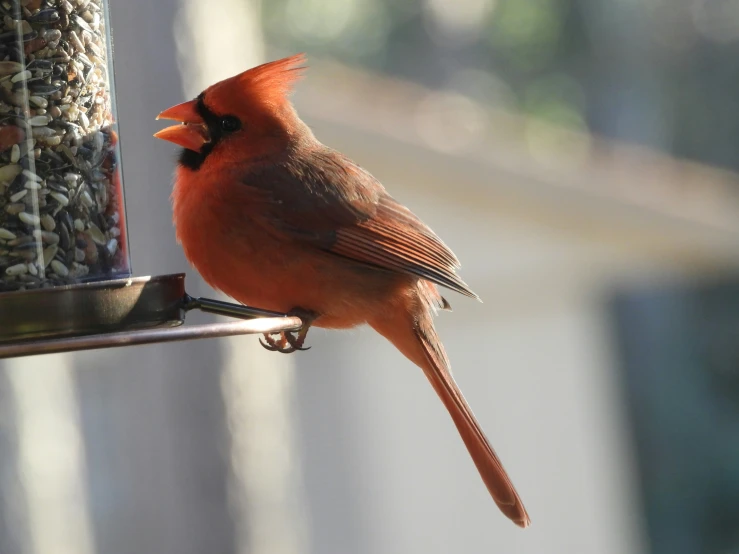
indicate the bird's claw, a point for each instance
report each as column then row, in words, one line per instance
column 269, row 343
column 280, row 345
column 297, row 342
column 289, row 342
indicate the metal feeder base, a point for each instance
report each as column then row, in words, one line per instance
column 121, row 312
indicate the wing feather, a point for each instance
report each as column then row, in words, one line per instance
column 324, row 199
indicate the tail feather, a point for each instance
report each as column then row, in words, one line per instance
column 488, row 464
column 417, row 339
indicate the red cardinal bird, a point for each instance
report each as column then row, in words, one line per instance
column 275, row 219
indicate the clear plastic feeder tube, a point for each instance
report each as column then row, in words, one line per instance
column 62, row 217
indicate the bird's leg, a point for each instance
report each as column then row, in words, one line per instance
column 307, row 318
column 288, row 337
column 297, row 341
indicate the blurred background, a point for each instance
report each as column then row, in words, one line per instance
column 577, row 155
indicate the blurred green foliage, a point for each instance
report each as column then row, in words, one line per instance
column 656, row 72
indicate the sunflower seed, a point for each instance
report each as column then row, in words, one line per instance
column 45, row 17
column 59, row 268
column 97, row 236
column 18, row 196
column 18, row 269
column 29, row 219
column 21, row 76
column 10, row 68
column 49, row 237
column 49, row 253
column 39, row 120
column 9, row 172
column 16, row 208
column 31, row 176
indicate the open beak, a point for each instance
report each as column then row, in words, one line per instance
column 192, row 133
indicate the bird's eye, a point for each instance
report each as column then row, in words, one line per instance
column 230, row 124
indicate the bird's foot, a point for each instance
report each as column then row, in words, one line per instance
column 289, row 342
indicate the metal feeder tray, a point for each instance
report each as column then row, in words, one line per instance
column 121, row 312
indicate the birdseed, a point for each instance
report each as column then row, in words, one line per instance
column 61, row 209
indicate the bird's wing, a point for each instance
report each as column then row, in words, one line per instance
column 326, row 200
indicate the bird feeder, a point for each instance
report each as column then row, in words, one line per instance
column 65, row 269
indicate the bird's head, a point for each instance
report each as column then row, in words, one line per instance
column 245, row 117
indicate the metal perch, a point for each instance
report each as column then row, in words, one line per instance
column 117, row 313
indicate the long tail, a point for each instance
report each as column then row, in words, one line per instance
column 416, row 338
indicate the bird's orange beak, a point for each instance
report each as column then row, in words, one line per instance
column 192, row 133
